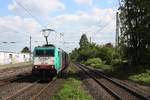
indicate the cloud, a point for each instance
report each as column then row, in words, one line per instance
column 97, row 23
column 36, row 7
column 81, row 20
column 16, row 23
column 84, row 2
column 17, row 29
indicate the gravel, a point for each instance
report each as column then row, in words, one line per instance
column 9, row 67
column 51, row 90
column 123, row 93
column 142, row 88
column 94, row 89
column 26, row 95
column 120, row 91
column 12, row 87
column 16, row 73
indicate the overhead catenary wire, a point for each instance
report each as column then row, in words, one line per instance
column 13, row 30
column 104, row 26
column 13, row 42
column 29, row 12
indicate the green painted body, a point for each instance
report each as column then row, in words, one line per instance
column 58, row 63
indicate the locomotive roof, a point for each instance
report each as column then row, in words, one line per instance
column 49, row 46
column 46, row 46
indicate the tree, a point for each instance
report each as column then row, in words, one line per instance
column 135, row 31
column 25, row 50
column 83, row 41
column 89, row 50
column 74, row 54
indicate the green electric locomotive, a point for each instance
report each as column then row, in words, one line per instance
column 49, row 60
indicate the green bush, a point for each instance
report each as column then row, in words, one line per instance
column 115, row 62
column 107, row 54
column 94, row 62
column 142, row 77
column 98, row 63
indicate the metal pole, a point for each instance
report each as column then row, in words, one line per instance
column 30, row 47
column 90, row 39
column 46, row 39
column 46, row 35
column 119, row 3
column 117, row 29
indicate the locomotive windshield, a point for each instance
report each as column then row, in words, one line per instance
column 47, row 53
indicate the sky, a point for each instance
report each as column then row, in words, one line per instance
column 20, row 19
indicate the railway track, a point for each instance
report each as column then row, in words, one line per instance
column 10, row 76
column 21, row 91
column 14, row 72
column 35, row 97
column 31, row 91
column 116, row 89
column 14, row 78
column 10, row 87
column 28, row 87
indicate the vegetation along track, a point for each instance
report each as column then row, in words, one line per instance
column 116, row 89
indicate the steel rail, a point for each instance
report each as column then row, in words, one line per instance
column 118, row 97
column 42, row 90
column 21, row 90
column 135, row 93
column 12, row 79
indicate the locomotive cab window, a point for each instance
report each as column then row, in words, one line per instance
column 49, row 52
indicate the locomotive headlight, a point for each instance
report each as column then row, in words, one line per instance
column 35, row 66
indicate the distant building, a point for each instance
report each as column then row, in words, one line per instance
column 12, row 57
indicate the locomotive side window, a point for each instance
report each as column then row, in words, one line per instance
column 49, row 52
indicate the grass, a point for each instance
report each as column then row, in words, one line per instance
column 139, row 74
column 143, row 78
column 105, row 67
column 97, row 63
column 72, row 89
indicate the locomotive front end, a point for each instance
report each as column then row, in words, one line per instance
column 44, row 61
